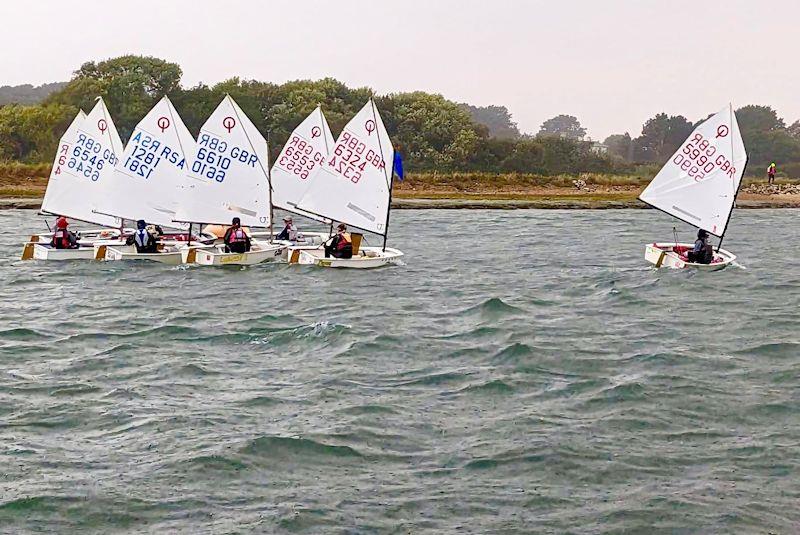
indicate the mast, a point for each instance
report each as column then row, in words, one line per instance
column 736, row 193
column 269, row 181
column 390, row 177
column 734, row 202
column 389, row 209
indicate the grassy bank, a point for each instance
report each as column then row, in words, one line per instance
column 23, row 180
column 20, row 181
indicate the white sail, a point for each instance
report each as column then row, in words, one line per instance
column 353, row 186
column 60, row 196
column 98, row 138
column 93, row 150
column 699, row 183
column 149, row 179
column 229, row 173
column 306, row 150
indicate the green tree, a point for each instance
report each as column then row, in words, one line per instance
column 31, row 133
column 566, row 126
column 497, row 119
column 130, row 85
column 435, row 132
column 794, row 130
column 753, row 118
column 766, row 137
column 620, row 145
column 661, row 137
column 27, row 94
column 526, row 156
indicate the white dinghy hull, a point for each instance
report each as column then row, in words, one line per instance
column 42, row 251
column 216, row 256
column 671, row 255
column 368, row 257
column 37, row 249
column 170, row 257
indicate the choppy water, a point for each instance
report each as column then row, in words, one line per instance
column 524, row 372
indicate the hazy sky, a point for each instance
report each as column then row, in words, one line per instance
column 612, row 63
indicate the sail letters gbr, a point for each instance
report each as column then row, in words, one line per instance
column 350, row 156
column 701, row 156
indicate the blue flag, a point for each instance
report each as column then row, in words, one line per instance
column 398, row 165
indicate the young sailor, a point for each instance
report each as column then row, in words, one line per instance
column 341, row 245
column 236, row 239
column 144, row 240
column 62, row 237
column 289, row 231
column 703, row 252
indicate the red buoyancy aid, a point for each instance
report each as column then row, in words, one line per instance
column 238, row 236
column 344, row 241
column 61, row 239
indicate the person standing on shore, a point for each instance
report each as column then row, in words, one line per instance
column 771, row 173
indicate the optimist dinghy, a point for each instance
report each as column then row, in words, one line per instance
column 84, row 163
column 148, row 183
column 229, row 177
column 354, row 186
column 674, row 255
column 698, row 186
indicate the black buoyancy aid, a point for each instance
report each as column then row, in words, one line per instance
column 143, row 239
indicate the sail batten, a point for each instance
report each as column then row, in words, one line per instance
column 698, row 184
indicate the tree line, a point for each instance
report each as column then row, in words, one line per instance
column 766, row 137
column 432, row 133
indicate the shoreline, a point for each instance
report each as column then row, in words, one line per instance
column 508, row 202
column 483, row 191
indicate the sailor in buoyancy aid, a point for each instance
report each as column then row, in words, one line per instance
column 341, row 245
column 289, row 231
column 62, row 237
column 144, row 240
column 236, row 239
column 703, row 252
